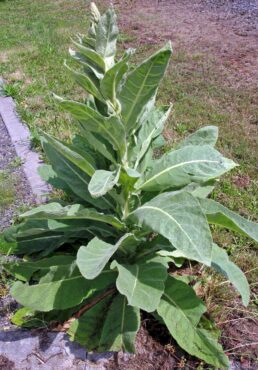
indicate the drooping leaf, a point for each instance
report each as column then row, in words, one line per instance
column 183, row 166
column 207, row 135
column 141, row 85
column 181, row 310
column 48, row 174
column 219, row 215
column 142, row 284
column 180, row 219
column 222, row 264
column 72, row 212
column 121, row 326
column 91, row 259
column 60, row 288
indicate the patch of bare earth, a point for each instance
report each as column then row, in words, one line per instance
column 214, row 28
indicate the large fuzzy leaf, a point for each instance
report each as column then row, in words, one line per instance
column 142, row 284
column 87, row 329
column 180, row 219
column 222, row 264
column 150, row 129
column 72, row 212
column 219, row 215
column 181, row 310
column 99, row 144
column 62, row 287
column 106, row 37
column 91, row 57
column 181, row 167
column 121, row 326
column 207, row 135
column 69, row 154
column 91, row 259
column 25, row 270
column 90, row 120
column 141, row 86
column 77, row 179
column 110, row 325
column 111, row 81
column 103, row 181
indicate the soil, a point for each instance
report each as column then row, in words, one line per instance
column 225, row 30
column 22, row 190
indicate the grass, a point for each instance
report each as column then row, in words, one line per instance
column 32, row 50
column 7, row 193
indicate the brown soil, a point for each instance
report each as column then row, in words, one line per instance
column 215, row 28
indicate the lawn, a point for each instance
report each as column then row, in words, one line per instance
column 33, row 47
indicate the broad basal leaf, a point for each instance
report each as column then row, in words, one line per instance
column 181, row 311
column 87, row 329
column 183, row 166
column 25, row 270
column 91, row 259
column 142, row 284
column 61, row 288
column 219, row 215
column 141, row 86
column 180, row 219
column 207, row 135
column 102, row 182
column 72, row 212
column 222, row 264
column 121, row 326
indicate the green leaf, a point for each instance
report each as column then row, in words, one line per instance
column 121, row 326
column 77, row 179
column 60, row 288
column 91, row 57
column 86, row 83
column 141, row 86
column 221, row 263
column 106, row 37
column 150, row 129
column 180, row 219
column 72, row 212
column 87, row 329
column 69, row 154
column 219, row 215
column 207, row 135
column 90, row 120
column 48, row 174
column 110, row 83
column 25, row 270
column 91, row 259
column 99, row 144
column 102, row 182
column 181, row 310
column 183, row 166
column 142, row 284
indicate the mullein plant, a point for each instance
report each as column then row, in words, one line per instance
column 96, row 258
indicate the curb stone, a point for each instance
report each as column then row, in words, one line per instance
column 20, row 137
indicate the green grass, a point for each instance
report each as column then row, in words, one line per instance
column 7, row 193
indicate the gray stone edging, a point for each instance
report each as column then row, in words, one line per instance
column 20, row 137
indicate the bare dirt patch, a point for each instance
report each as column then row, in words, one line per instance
column 218, row 29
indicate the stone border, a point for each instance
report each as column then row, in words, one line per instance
column 20, row 137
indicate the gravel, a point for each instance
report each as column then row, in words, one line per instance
column 22, row 191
